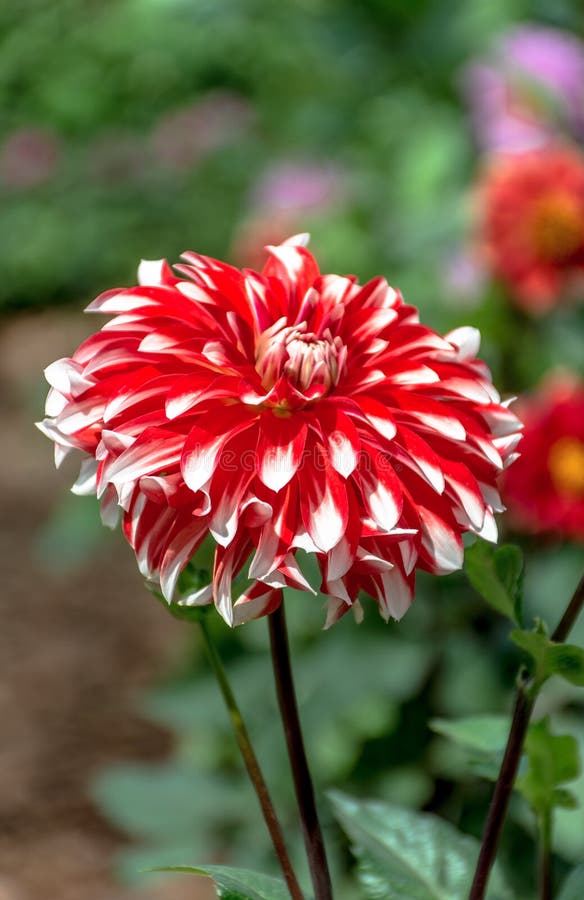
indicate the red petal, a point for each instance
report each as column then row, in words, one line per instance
column 204, row 444
column 381, row 489
column 323, row 502
column 280, row 448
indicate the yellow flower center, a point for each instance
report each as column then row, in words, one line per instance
column 557, row 226
column 566, row 466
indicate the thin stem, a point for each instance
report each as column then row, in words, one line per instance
column 252, row 765
column 572, row 612
column 545, row 856
column 524, row 703
column 312, row 832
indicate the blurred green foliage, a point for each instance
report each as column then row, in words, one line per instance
column 365, row 85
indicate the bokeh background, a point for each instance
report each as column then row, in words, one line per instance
column 142, row 128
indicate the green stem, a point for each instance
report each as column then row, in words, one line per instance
column 525, row 699
column 313, row 839
column 252, row 765
column 545, row 856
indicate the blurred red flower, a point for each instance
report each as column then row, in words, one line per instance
column 281, row 411
column 532, row 211
column 545, row 489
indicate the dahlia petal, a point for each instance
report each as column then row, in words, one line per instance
column 465, row 488
column 342, row 556
column 469, row 388
column 412, row 375
column 440, row 541
column 203, row 444
column 152, row 452
column 155, row 271
column 393, row 592
column 294, row 266
column 67, row 377
column 492, row 497
column 323, row 502
column 61, row 453
column 55, row 403
column 227, row 564
column 150, row 391
column 378, row 416
column 409, row 555
column 372, row 562
column 431, row 416
column 86, row 483
column 177, row 554
column 280, row 448
column 201, row 597
column 113, row 442
column 341, row 437
column 489, row 531
column 257, row 512
column 109, row 509
column 467, row 342
column 415, row 452
column 193, row 389
column 260, row 600
column 276, row 536
column 293, row 575
column 148, row 535
column 382, row 491
column 226, row 496
column 122, row 301
column 501, row 421
column 336, row 591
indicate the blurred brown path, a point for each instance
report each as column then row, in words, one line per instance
column 74, row 650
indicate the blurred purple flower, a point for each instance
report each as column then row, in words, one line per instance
column 529, row 88
column 297, row 187
column 28, row 157
column 183, row 137
column 464, row 278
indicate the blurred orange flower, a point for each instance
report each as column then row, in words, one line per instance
column 532, row 211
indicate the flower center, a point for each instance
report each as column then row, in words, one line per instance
column 306, row 360
column 566, row 466
column 557, row 227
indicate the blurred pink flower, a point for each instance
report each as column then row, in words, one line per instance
column 297, row 187
column 28, row 157
column 283, row 196
column 464, row 276
column 185, row 136
column 530, row 88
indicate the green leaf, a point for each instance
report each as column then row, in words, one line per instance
column 497, row 575
column 551, row 658
column 407, row 855
column 567, row 660
column 481, row 740
column 485, row 733
column 237, row 884
column 553, row 760
column 573, row 886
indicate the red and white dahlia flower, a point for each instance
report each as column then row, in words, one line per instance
column 282, row 411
